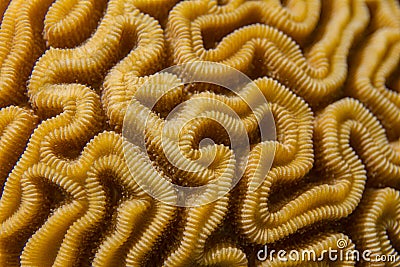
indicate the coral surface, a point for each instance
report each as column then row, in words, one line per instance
column 330, row 71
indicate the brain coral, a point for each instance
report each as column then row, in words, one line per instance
column 330, row 71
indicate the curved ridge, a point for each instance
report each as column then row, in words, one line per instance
column 315, row 75
column 72, row 196
column 377, row 225
column 20, row 36
column 346, row 128
column 146, row 58
column 378, row 59
column 16, row 126
column 111, row 199
column 293, row 159
column 70, row 22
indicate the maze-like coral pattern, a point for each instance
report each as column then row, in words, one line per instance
column 376, row 225
column 69, row 69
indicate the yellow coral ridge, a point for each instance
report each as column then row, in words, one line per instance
column 376, row 226
column 111, row 200
column 68, row 23
column 378, row 60
column 146, row 57
column 198, row 221
column 315, row 75
column 74, row 74
column 3, row 7
column 346, row 128
column 21, row 45
column 16, row 126
column 198, row 224
column 293, row 159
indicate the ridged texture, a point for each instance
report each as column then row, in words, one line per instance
column 69, row 193
column 3, row 7
column 68, row 23
column 378, row 60
column 293, row 159
column 21, row 45
column 147, row 57
column 197, row 222
column 16, row 126
column 109, row 202
column 377, row 226
column 352, row 143
column 316, row 75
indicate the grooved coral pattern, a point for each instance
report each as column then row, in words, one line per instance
column 330, row 71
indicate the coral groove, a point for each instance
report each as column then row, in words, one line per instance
column 77, row 75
